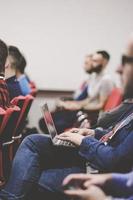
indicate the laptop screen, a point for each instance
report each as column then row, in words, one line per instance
column 49, row 121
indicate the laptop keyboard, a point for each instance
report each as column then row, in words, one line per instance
column 59, row 142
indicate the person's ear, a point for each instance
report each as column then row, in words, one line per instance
column 7, row 64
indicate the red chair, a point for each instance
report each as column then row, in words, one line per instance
column 6, row 133
column 27, row 102
column 32, row 85
column 33, row 88
column 114, row 99
column 10, row 112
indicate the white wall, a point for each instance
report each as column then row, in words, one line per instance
column 56, row 34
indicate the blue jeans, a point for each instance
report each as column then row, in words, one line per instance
column 37, row 161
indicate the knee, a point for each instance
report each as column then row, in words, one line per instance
column 36, row 140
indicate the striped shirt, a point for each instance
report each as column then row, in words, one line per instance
column 4, row 95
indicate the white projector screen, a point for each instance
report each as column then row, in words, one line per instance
column 55, row 35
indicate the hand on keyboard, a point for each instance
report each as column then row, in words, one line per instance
column 59, row 142
column 69, row 136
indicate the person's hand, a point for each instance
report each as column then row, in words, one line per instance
column 69, row 136
column 60, row 103
column 99, row 180
column 89, row 179
column 91, row 193
column 83, row 131
column 68, row 105
column 85, row 124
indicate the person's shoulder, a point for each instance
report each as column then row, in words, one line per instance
column 107, row 76
column 108, row 79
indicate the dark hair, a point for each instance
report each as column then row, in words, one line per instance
column 126, row 59
column 104, row 54
column 22, row 64
column 3, row 56
column 19, row 60
column 15, row 54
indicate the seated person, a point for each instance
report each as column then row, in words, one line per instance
column 48, row 165
column 39, row 162
column 100, row 87
column 110, row 118
column 13, row 61
column 21, row 77
column 4, row 94
column 99, row 187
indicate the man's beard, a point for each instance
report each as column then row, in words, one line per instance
column 97, row 69
column 128, row 90
column 89, row 71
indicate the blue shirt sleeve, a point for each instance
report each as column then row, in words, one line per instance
column 106, row 157
column 24, row 85
column 121, row 185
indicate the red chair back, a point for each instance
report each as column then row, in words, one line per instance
column 27, row 102
column 8, row 123
column 10, row 116
column 18, row 101
column 33, row 88
column 114, row 99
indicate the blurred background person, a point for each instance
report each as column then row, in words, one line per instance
column 100, row 87
column 21, row 76
column 13, row 61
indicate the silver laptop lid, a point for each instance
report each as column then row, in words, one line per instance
column 49, row 121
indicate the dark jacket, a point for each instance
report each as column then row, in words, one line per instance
column 13, row 87
column 112, row 117
column 117, row 156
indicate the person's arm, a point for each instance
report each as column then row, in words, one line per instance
column 105, row 157
column 93, row 106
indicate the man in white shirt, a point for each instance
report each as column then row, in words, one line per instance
column 100, row 86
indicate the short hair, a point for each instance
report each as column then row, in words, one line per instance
column 3, row 56
column 104, row 54
column 15, row 54
column 19, row 60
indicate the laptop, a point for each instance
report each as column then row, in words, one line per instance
column 51, row 128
